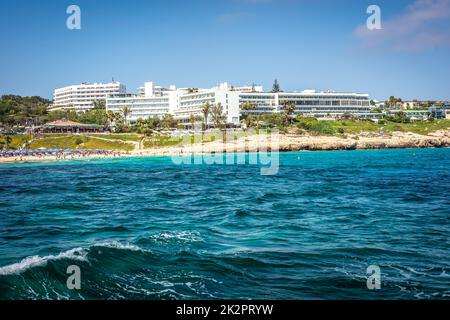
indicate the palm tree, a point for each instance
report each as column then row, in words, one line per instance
column 192, row 120
column 8, row 141
column 290, row 109
column 119, row 122
column 111, row 116
column 126, row 112
column 217, row 115
column 205, row 111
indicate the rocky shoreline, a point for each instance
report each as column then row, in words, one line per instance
column 295, row 142
column 366, row 141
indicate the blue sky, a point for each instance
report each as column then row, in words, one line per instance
column 305, row 44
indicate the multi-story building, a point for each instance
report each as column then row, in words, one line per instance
column 437, row 112
column 447, row 110
column 155, row 101
column 151, row 102
column 413, row 105
column 308, row 103
column 415, row 115
column 327, row 104
column 81, row 97
column 191, row 102
column 257, row 103
column 139, row 106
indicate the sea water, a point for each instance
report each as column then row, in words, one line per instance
column 146, row 228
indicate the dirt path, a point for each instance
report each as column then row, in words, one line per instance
column 135, row 144
column 141, row 144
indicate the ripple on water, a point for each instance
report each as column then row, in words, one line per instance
column 148, row 229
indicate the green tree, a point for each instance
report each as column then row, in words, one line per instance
column 248, row 106
column 64, row 115
column 111, row 118
column 289, row 110
column 192, row 121
column 249, row 120
column 168, row 121
column 217, row 115
column 8, row 141
column 126, row 111
column 17, row 111
column 399, row 117
column 274, row 120
column 99, row 104
column 392, row 102
column 119, row 123
column 206, row 109
column 96, row 115
column 147, row 126
column 276, row 86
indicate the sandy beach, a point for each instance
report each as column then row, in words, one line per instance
column 58, row 158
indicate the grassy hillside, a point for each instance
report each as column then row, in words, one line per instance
column 354, row 127
column 119, row 136
column 78, row 142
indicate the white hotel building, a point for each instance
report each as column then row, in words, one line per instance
column 155, row 101
column 308, row 103
column 81, row 97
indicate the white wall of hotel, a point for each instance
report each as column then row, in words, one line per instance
column 155, row 101
column 309, row 103
column 81, row 97
column 192, row 103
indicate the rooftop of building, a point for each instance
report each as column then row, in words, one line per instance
column 65, row 123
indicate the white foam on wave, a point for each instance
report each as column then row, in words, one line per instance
column 36, row 261
column 187, row 236
column 119, row 245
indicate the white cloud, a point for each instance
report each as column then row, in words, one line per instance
column 418, row 27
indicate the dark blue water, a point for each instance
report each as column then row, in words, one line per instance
column 149, row 229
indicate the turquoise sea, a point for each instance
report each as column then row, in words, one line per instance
column 146, row 228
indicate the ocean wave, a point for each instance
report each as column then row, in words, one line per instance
column 77, row 254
